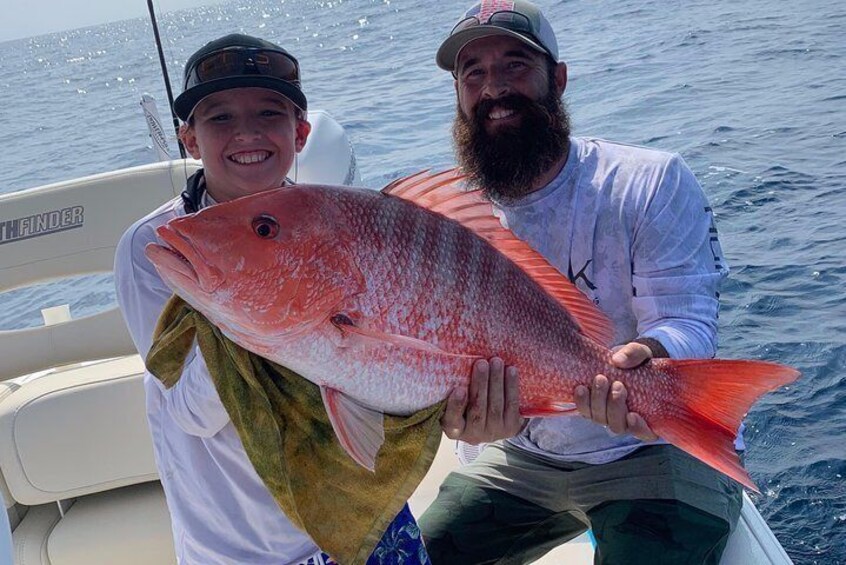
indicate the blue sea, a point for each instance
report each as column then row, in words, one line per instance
column 751, row 93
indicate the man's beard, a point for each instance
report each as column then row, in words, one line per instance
column 506, row 164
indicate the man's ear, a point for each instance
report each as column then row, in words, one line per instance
column 303, row 129
column 560, row 77
column 188, row 137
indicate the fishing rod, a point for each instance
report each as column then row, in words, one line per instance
column 165, row 75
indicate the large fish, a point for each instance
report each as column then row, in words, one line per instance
column 385, row 300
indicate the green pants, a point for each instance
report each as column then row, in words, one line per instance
column 657, row 505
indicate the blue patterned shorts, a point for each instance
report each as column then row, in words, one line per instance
column 401, row 545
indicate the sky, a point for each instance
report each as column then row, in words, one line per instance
column 25, row 18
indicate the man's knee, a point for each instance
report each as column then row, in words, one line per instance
column 470, row 524
column 657, row 531
column 452, row 526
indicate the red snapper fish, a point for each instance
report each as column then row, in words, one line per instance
column 385, row 300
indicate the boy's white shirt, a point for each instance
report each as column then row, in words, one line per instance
column 221, row 511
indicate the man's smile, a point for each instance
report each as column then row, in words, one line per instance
column 500, row 114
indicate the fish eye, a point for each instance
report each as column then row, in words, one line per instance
column 266, row 227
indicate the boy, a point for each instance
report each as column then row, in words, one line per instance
column 244, row 115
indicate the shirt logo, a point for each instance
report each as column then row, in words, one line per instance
column 580, row 275
column 716, row 251
column 43, row 223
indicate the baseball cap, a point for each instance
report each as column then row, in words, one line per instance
column 238, row 61
column 515, row 18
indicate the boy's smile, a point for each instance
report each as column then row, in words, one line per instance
column 250, row 157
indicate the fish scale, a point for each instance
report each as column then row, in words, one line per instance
column 385, row 300
column 438, row 253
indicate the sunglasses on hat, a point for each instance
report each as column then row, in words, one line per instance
column 241, row 61
column 507, row 19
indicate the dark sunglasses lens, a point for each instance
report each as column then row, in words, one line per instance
column 512, row 21
column 236, row 63
column 465, row 23
column 277, row 65
column 505, row 19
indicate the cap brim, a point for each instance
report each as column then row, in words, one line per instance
column 185, row 102
column 452, row 46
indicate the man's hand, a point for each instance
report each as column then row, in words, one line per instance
column 605, row 402
column 489, row 409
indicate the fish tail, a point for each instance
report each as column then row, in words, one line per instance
column 712, row 398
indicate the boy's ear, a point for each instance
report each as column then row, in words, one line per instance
column 303, row 129
column 189, row 139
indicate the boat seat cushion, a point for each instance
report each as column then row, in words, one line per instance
column 76, row 432
column 29, row 540
column 6, row 389
column 130, row 526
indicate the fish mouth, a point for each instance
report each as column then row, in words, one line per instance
column 181, row 260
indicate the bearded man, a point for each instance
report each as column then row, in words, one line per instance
column 632, row 228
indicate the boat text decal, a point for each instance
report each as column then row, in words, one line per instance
column 40, row 224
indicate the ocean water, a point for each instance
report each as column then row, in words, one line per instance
column 751, row 93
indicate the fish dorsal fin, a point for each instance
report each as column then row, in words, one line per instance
column 445, row 194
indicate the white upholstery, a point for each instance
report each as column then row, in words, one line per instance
column 35, row 349
column 30, row 537
column 129, row 526
column 6, row 388
column 76, row 432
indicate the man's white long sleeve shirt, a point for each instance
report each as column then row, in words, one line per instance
column 632, row 228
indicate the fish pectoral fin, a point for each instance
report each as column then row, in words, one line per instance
column 346, row 326
column 360, row 430
column 550, row 408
